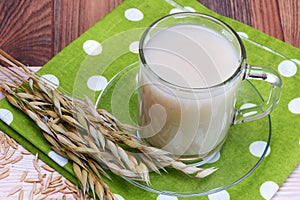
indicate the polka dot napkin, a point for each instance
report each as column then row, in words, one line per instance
column 86, row 66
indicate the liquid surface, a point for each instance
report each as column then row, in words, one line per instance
column 191, row 56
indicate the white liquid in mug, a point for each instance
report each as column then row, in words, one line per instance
column 194, row 122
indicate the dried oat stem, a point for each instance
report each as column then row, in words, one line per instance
column 93, row 139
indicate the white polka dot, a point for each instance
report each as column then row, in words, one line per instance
column 6, row 116
column 243, row 34
column 134, row 47
column 51, row 79
column 166, row 197
column 257, row 148
column 97, row 83
column 287, row 68
column 119, row 197
column 134, row 14
column 248, row 105
column 178, row 10
column 223, row 195
column 268, row 189
column 92, row 47
column 58, row 158
column 294, row 106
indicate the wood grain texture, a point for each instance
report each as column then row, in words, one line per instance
column 26, row 29
column 231, row 8
column 290, row 20
column 33, row 31
column 265, row 17
column 278, row 18
column 65, row 24
column 72, row 18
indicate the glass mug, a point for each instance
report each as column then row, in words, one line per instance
column 191, row 67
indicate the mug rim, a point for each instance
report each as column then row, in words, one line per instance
column 236, row 73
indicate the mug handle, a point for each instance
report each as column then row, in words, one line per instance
column 270, row 76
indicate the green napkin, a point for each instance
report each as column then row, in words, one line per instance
column 87, row 64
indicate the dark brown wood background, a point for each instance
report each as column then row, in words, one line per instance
column 33, row 31
column 278, row 18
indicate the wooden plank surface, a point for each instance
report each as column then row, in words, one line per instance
column 289, row 11
column 278, row 18
column 265, row 17
column 34, row 31
column 231, row 8
column 72, row 18
column 26, row 30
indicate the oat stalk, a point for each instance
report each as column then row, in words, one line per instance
column 92, row 139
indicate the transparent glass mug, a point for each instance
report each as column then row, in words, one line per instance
column 190, row 121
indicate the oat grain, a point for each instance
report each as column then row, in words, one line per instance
column 15, row 190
